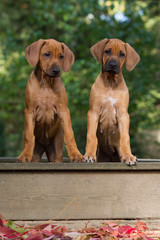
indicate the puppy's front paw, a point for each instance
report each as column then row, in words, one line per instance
column 129, row 159
column 24, row 157
column 89, row 159
column 77, row 157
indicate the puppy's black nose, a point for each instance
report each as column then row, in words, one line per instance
column 56, row 70
column 113, row 64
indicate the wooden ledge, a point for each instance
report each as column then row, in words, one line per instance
column 142, row 165
column 40, row 191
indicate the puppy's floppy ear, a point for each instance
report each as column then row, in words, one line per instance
column 97, row 49
column 32, row 52
column 68, row 58
column 132, row 57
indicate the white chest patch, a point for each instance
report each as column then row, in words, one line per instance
column 112, row 100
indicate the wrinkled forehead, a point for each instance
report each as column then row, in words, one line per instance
column 52, row 46
column 115, row 45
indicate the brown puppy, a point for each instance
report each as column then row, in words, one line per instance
column 46, row 114
column 108, row 119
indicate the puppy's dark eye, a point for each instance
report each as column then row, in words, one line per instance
column 121, row 54
column 108, row 51
column 61, row 57
column 47, row 54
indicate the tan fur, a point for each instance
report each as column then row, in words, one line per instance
column 108, row 119
column 47, row 117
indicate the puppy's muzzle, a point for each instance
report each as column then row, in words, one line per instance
column 55, row 71
column 112, row 66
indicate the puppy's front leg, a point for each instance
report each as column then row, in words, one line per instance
column 69, row 140
column 91, row 147
column 29, row 139
column 124, row 148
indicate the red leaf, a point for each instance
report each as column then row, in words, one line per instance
column 1, row 223
column 7, row 230
column 49, row 238
column 41, row 226
column 37, row 236
column 142, row 235
column 141, row 226
column 115, row 233
column 125, row 229
column 130, row 230
column 112, row 224
column 61, row 229
column 94, row 239
column 89, row 230
column 4, row 221
column 57, row 234
column 107, row 229
column 49, row 227
column 47, row 233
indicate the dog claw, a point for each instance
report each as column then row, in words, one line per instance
column 129, row 160
column 24, row 158
column 89, row 159
column 76, row 158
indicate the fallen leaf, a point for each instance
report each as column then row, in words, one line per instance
column 37, row 236
column 141, row 226
column 46, row 233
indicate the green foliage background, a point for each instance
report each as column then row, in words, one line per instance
column 79, row 24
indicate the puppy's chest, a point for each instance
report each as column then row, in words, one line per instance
column 45, row 108
column 108, row 112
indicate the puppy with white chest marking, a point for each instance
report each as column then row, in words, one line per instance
column 47, row 117
column 108, row 120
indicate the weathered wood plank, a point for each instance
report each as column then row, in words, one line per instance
column 41, row 195
column 141, row 166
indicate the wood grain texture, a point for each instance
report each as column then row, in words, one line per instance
column 141, row 166
column 41, row 195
